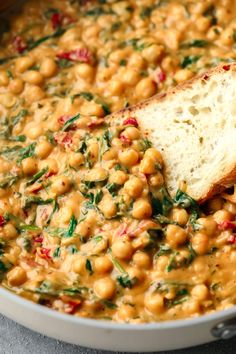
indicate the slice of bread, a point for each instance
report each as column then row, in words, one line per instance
column 194, row 126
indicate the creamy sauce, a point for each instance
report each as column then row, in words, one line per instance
column 86, row 224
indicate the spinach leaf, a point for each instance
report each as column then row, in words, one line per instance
column 16, row 119
column 163, row 249
column 11, row 151
column 27, row 244
column 70, row 121
column 195, row 43
column 113, row 188
column 33, row 44
column 163, row 205
column 106, row 141
column 98, row 11
column 88, row 266
column 36, row 200
column 20, row 138
column 146, row 12
column 25, row 152
column 135, row 43
column 185, row 201
column 57, row 252
column 125, row 281
column 37, row 176
column 72, row 227
column 8, row 180
column 95, row 198
column 211, row 13
column 189, row 60
column 86, row 95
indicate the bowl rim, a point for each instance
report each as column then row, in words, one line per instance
column 108, row 325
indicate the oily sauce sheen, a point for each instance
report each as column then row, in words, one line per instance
column 86, row 224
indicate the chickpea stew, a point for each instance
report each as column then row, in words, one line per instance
column 86, row 224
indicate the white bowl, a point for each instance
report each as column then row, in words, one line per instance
column 109, row 335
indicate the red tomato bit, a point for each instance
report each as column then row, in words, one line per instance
column 81, row 55
column 131, row 121
column 19, row 44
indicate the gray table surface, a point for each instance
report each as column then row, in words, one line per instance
column 15, row 339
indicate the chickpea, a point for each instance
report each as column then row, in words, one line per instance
column 85, row 71
column 142, row 260
column 17, row 276
column 136, row 61
column 48, row 67
column 29, row 166
column 16, row 86
column 79, row 265
column 147, row 166
column 105, row 288
column 118, row 177
column 191, row 307
column 33, row 132
column 146, row 88
column 172, row 39
column 108, row 207
column 130, row 77
column 214, row 32
column 10, row 232
column 61, row 185
column 226, row 37
column 103, row 265
column 134, row 187
column 156, row 180
column 4, row 79
column 33, row 77
column 96, row 174
column 33, row 93
column 23, row 63
column 128, row 157
column 183, row 75
column 154, row 303
column 137, row 275
column 7, row 100
column 115, row 88
column 153, row 53
column 175, row 235
column 200, row 243
column 222, row 215
column 203, row 23
column 84, row 229
column 110, row 154
column 76, row 159
column 155, row 155
column 180, row 216
column 92, row 109
column 51, row 164
column 208, row 225
column 116, row 56
column 200, row 292
column 122, row 249
column 131, row 133
column 126, row 312
column 231, row 207
column 93, row 151
column 141, row 209
column 43, row 149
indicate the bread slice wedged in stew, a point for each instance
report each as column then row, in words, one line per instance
column 194, row 126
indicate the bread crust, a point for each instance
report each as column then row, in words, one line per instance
column 230, row 177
